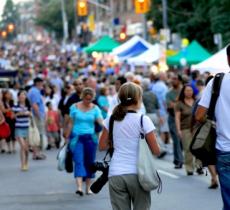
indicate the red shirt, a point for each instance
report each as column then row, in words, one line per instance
column 52, row 121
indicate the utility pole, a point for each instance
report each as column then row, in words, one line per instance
column 111, row 17
column 165, row 15
column 75, row 18
column 144, row 27
column 65, row 23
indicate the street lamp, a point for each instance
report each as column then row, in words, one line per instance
column 4, row 34
column 10, row 27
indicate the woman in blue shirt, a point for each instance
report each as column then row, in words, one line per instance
column 103, row 101
column 83, row 139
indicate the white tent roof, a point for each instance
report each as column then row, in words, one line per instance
column 129, row 44
column 147, row 57
column 215, row 64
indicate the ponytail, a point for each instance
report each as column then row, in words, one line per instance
column 119, row 112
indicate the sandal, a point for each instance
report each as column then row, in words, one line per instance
column 89, row 192
column 79, row 192
column 214, row 185
column 39, row 157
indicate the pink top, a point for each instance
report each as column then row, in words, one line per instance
column 52, row 121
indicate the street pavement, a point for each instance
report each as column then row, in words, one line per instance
column 43, row 187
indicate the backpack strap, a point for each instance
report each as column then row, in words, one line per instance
column 111, row 123
column 215, row 94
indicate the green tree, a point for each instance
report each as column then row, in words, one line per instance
column 50, row 16
column 195, row 19
column 10, row 15
column 219, row 18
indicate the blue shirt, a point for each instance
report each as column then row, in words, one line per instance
column 83, row 122
column 160, row 89
column 194, row 87
column 35, row 97
column 103, row 102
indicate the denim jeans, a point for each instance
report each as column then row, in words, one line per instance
column 177, row 149
column 223, row 170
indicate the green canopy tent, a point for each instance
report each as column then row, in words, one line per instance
column 105, row 44
column 192, row 54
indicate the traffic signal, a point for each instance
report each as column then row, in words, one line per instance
column 122, row 36
column 142, row 6
column 82, row 8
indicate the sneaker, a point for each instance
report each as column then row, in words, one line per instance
column 199, row 171
column 48, row 147
column 189, row 173
column 178, row 166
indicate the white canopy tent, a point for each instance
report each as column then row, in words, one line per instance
column 151, row 55
column 215, row 64
column 131, row 42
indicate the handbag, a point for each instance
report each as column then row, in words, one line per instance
column 68, row 160
column 34, row 135
column 147, row 174
column 4, row 130
column 204, row 138
column 61, row 156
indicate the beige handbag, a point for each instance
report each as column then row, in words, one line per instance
column 34, row 136
column 147, row 174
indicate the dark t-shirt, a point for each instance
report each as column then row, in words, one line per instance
column 171, row 96
column 186, row 115
column 74, row 98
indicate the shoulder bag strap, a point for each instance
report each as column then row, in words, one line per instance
column 215, row 94
column 142, row 135
column 111, row 123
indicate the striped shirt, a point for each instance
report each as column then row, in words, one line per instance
column 21, row 121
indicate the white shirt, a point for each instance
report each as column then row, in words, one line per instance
column 126, row 136
column 222, row 112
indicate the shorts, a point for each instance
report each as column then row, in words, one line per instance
column 40, row 123
column 164, row 128
column 21, row 132
column 53, row 135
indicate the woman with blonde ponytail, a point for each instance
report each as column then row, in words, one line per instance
column 124, row 186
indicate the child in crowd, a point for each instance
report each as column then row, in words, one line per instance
column 52, row 126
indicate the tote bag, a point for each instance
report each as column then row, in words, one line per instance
column 34, row 136
column 147, row 174
column 61, row 158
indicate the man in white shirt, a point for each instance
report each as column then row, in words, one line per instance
column 222, row 115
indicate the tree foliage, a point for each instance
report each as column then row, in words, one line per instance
column 50, row 16
column 195, row 19
column 10, row 13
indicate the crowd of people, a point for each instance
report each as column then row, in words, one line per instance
column 69, row 95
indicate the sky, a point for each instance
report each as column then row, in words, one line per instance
column 2, row 4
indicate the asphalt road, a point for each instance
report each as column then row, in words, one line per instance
column 43, row 187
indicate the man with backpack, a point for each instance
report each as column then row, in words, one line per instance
column 222, row 129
